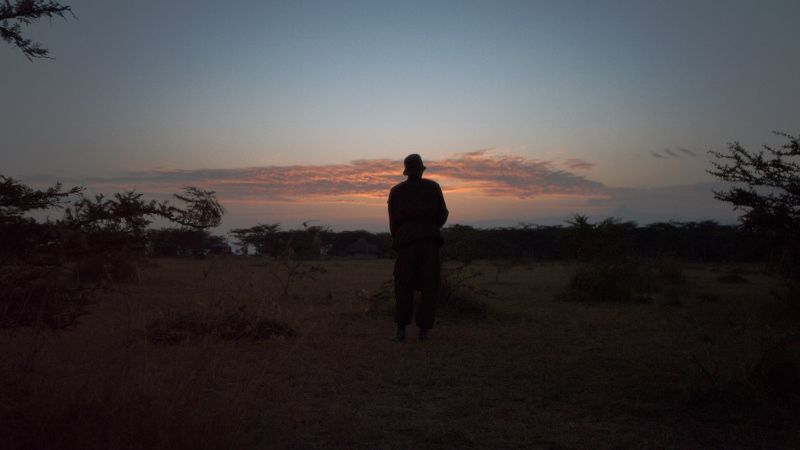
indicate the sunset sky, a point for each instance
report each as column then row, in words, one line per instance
column 524, row 111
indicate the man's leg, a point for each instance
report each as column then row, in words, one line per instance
column 429, row 268
column 404, row 288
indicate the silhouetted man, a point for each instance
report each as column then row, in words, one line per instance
column 416, row 213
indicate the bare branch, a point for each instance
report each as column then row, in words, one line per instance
column 27, row 12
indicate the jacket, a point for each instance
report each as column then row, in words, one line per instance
column 417, row 211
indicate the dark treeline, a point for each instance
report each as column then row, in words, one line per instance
column 706, row 241
column 577, row 238
column 309, row 241
column 119, row 225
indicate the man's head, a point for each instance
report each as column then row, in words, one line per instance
column 413, row 163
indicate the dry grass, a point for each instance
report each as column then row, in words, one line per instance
column 535, row 373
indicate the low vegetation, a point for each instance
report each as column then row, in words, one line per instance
column 212, row 354
column 590, row 335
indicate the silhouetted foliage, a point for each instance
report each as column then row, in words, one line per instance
column 108, row 234
column 607, row 240
column 27, row 12
column 289, row 266
column 182, row 327
column 339, row 241
column 114, row 224
column 304, row 243
column 766, row 187
column 201, row 211
column 308, row 242
column 463, row 243
column 32, row 255
column 49, row 269
column 21, row 237
column 536, row 242
column 173, row 241
column 262, row 237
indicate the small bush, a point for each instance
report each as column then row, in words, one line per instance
column 732, row 278
column 41, row 304
column 773, row 379
column 599, row 282
column 458, row 299
column 782, row 378
column 463, row 305
column 709, row 391
column 707, row 297
column 626, row 281
column 190, row 326
column 373, row 303
column 113, row 268
column 671, row 271
column 785, row 305
column 55, row 295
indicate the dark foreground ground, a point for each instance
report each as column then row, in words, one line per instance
column 516, row 369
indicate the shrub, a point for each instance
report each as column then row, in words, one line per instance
column 626, row 281
column 176, row 328
column 779, row 372
column 599, row 282
column 117, row 267
column 707, row 297
column 372, row 303
column 732, row 278
column 671, row 271
column 43, row 305
column 773, row 379
column 49, row 269
column 458, row 299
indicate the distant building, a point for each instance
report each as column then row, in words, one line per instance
column 325, row 250
column 362, row 249
column 219, row 248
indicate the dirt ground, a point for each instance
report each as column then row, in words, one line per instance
column 517, row 368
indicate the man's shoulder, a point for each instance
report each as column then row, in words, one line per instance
column 418, row 181
column 429, row 182
column 412, row 182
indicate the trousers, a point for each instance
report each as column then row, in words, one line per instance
column 417, row 269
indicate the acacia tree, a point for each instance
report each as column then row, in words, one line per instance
column 17, row 199
column 21, row 237
column 766, row 187
column 168, row 241
column 114, row 224
column 26, row 12
column 32, row 288
column 263, row 238
column 202, row 211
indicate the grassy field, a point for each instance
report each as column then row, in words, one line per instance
column 520, row 369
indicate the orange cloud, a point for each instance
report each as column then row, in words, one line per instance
column 511, row 176
column 479, row 173
column 578, row 164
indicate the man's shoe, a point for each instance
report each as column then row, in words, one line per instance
column 423, row 334
column 400, row 336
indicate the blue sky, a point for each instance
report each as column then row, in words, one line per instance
column 297, row 110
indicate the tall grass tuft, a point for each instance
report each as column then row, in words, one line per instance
column 40, row 298
column 113, row 267
column 126, row 408
column 134, row 394
column 768, row 375
column 459, row 299
column 189, row 326
column 626, row 281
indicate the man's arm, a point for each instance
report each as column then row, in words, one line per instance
column 441, row 211
column 392, row 216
